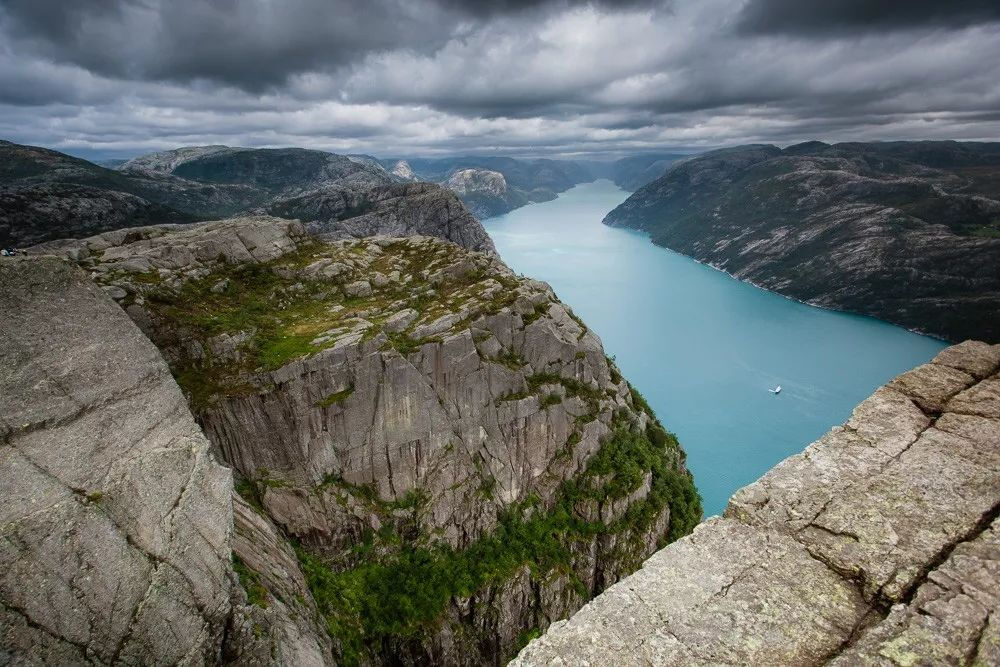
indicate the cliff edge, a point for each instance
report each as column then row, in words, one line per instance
column 433, row 457
column 877, row 545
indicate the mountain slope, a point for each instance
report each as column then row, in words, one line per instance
column 46, row 195
column 906, row 232
column 438, row 449
column 631, row 173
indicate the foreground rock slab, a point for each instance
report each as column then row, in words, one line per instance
column 876, row 545
column 115, row 522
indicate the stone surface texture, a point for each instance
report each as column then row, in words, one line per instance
column 877, row 545
column 115, row 520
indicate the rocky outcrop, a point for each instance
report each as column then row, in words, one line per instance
column 484, row 192
column 115, row 521
column 433, row 454
column 876, row 545
column 907, row 232
column 492, row 186
column 403, row 170
column 412, row 209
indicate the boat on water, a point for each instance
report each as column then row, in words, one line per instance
column 776, row 390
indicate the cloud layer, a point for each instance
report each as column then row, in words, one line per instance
column 554, row 77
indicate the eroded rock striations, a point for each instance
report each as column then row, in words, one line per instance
column 905, row 231
column 434, row 457
column 115, row 521
column 876, row 545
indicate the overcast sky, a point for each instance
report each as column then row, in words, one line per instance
column 557, row 77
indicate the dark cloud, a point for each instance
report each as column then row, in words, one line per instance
column 485, row 8
column 252, row 44
column 433, row 77
column 840, row 16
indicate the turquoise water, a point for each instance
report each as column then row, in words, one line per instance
column 702, row 347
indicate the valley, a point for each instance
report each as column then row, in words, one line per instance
column 702, row 347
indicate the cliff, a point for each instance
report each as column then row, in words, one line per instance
column 877, row 545
column 907, row 232
column 485, row 192
column 115, row 521
column 434, row 457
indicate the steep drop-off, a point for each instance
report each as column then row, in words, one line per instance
column 907, row 232
column 436, row 458
column 877, row 545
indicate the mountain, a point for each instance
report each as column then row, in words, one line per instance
column 485, row 192
column 278, row 172
column 47, row 195
column 475, row 179
column 905, row 231
column 631, row 173
column 432, row 457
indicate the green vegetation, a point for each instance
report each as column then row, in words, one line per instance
column 402, row 589
column 510, row 359
column 335, row 397
column 539, row 310
column 257, row 593
column 250, row 493
column 550, row 399
column 406, row 345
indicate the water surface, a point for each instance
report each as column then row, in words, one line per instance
column 702, row 347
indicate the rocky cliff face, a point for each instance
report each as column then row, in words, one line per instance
column 484, row 192
column 435, row 457
column 877, row 545
column 403, row 170
column 906, row 232
column 412, row 209
column 115, row 520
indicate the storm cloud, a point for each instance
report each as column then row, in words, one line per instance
column 521, row 77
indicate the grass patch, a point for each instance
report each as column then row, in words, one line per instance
column 336, row 397
column 550, row 399
column 257, row 593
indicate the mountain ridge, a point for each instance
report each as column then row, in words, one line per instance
column 903, row 231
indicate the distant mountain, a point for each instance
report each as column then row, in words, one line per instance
column 632, row 173
column 111, row 163
column 475, row 180
column 274, row 172
column 46, row 195
column 905, row 231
